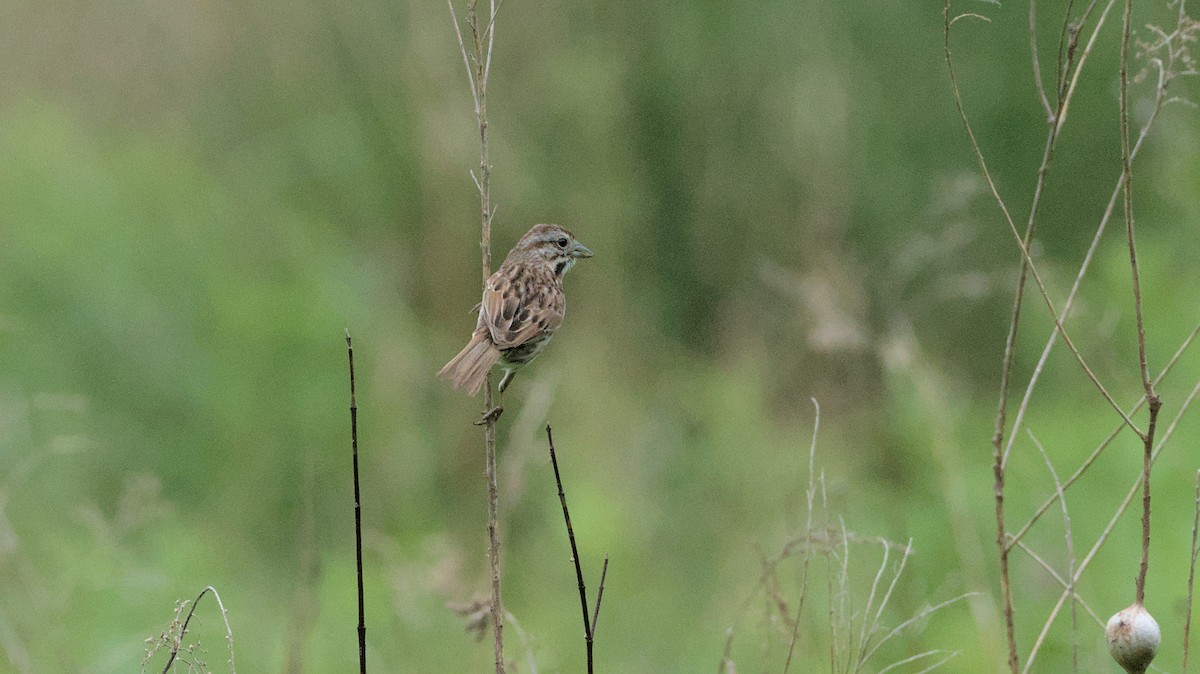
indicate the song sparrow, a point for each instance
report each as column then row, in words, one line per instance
column 523, row 304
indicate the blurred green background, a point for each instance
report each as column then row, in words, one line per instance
column 196, row 199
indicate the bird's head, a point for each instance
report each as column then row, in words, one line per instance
column 554, row 245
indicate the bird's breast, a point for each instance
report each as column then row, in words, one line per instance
column 523, row 353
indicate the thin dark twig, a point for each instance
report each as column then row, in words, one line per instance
column 362, row 621
column 1070, row 33
column 1087, row 49
column 1054, row 120
column 562, row 497
column 999, row 454
column 599, row 596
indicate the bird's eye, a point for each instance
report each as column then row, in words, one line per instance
column 562, row 243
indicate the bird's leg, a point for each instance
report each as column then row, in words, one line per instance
column 494, row 413
column 506, row 379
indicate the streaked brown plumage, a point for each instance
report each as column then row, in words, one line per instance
column 523, row 304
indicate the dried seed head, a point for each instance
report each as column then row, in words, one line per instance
column 1133, row 637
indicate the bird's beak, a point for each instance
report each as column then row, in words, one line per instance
column 581, row 250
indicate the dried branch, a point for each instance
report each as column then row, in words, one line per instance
column 177, row 641
column 1152, row 400
column 922, row 656
column 1187, row 623
column 1083, row 268
column 1072, row 55
column 481, row 58
column 921, row 615
column 998, row 470
column 809, row 495
column 1023, row 242
column 1070, row 587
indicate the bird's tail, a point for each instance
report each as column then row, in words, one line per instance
column 469, row 369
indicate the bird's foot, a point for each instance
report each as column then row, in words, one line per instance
column 490, row 416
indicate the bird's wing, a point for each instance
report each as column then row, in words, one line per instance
column 518, row 307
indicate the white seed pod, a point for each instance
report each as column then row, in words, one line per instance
column 1133, row 637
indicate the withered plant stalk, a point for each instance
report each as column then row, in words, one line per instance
column 478, row 62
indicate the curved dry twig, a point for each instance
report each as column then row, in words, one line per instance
column 177, row 643
column 1023, row 242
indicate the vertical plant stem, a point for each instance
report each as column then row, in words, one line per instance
column 1068, row 40
column 808, row 531
column 478, row 64
column 489, row 428
column 1147, row 460
column 1187, row 623
column 999, row 474
column 362, row 621
column 489, row 439
column 1056, row 119
column 562, row 498
column 1152, row 399
column 1127, row 172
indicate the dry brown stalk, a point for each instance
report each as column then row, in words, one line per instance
column 478, row 62
column 1071, row 58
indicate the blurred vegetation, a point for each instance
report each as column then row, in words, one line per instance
column 196, row 199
